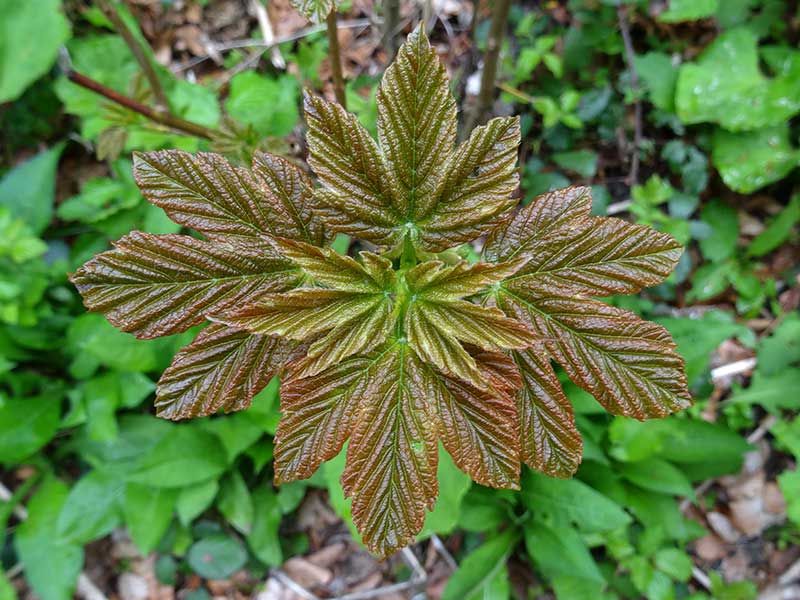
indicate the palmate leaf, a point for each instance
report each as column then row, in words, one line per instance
column 415, row 183
column 315, row 10
column 154, row 285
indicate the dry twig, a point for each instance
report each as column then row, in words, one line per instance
column 630, row 55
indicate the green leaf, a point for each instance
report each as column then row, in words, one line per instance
column 789, row 482
column 263, row 538
column 194, row 499
column 658, row 476
column 154, row 285
column 27, row 424
column 560, row 552
column 234, row 502
column 28, row 190
column 749, row 161
column 453, row 487
column 92, row 508
column 477, row 572
column 574, row 501
column 726, row 86
column 52, row 564
column 268, row 104
column 659, row 76
column 772, row 392
column 688, row 10
column 392, row 453
column 582, row 162
column 724, row 223
column 777, row 231
column 186, row 456
column 782, row 348
column 31, row 35
column 216, row 557
column 222, row 368
column 549, row 441
column 675, row 563
column 315, row 10
column 148, row 513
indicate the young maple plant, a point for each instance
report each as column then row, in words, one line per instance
column 406, row 345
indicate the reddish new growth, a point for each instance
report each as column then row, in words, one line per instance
column 407, row 345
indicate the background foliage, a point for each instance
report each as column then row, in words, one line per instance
column 82, row 455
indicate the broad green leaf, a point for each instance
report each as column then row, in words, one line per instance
column 235, row 503
column 216, row 557
column 549, row 440
column 205, row 192
column 27, row 424
column 236, row 432
column 777, row 231
column 30, row 36
column 392, row 453
column 782, row 348
column 688, row 10
column 186, row 456
column 560, row 552
column 416, row 120
column 92, row 508
column 263, row 538
column 478, row 571
column 315, row 10
column 222, row 368
column 148, row 513
column 194, row 499
column 724, row 224
column 574, row 501
column 414, row 185
column 479, row 428
column 453, row 487
column 154, row 285
column 630, row 366
column 28, row 190
column 726, row 86
column 774, row 392
column 659, row 76
column 52, row 564
column 318, row 415
column 750, row 160
column 659, row 476
column 675, row 563
column 268, row 104
column 572, row 255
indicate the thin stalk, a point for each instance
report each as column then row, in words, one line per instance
column 391, row 19
column 110, row 11
column 336, row 59
column 630, row 56
column 495, row 43
column 157, row 116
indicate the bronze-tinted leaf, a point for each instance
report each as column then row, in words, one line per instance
column 223, row 368
column 434, row 330
column 546, row 217
column 475, row 189
column 570, row 253
column 361, row 194
column 392, row 454
column 154, row 285
column 314, row 10
column 416, row 120
column 433, row 280
column 317, row 416
column 480, row 430
column 340, row 272
column 205, row 192
column 549, row 441
column 629, row 365
column 293, row 191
